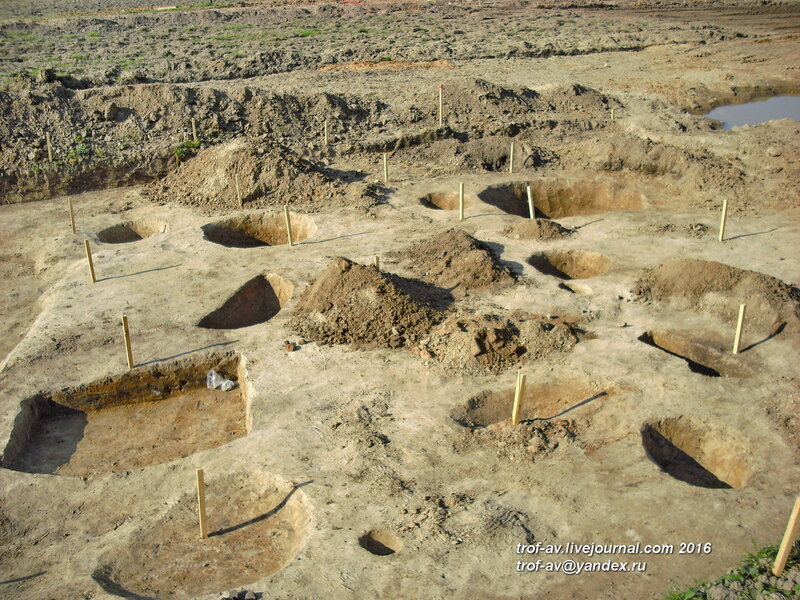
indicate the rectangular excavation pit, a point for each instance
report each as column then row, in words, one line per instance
column 144, row 417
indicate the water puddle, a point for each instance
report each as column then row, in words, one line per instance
column 753, row 113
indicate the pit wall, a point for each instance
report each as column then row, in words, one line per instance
column 147, row 384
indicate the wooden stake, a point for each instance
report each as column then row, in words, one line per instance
column 518, row 393
column 530, row 202
column 385, row 168
column 127, row 335
column 194, row 129
column 288, row 224
column 89, row 260
column 378, row 263
column 738, row 336
column 325, row 133
column 201, row 504
column 612, row 113
column 460, row 201
column 511, row 159
column 722, row 221
column 238, row 192
column 71, row 215
column 49, row 147
column 789, row 538
column 441, row 107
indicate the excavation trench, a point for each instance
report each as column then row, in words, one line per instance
column 444, row 201
column 540, row 401
column 145, row 417
column 571, row 264
column 257, row 301
column 255, row 231
column 133, row 231
column 701, row 358
column 257, row 524
column 698, row 451
column 553, row 199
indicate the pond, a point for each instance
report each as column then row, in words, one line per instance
column 753, row 113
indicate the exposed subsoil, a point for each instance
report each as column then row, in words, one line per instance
column 368, row 437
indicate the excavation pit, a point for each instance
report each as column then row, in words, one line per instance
column 257, row 524
column 133, row 231
column 571, row 264
column 380, row 542
column 144, row 417
column 698, row 452
column 257, row 301
column 701, row 358
column 553, row 199
column 254, row 231
column 444, row 201
column 540, row 401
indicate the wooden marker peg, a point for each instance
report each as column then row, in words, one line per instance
column 738, row 336
column 201, row 504
column 789, row 538
column 460, row 201
column 89, row 260
column 612, row 113
column 722, row 221
column 325, row 133
column 441, row 107
column 194, row 129
column 518, row 393
column 288, row 224
column 385, row 168
column 49, row 147
column 511, row 159
column 238, row 191
column 378, row 263
column 71, row 215
column 530, row 202
column 127, row 335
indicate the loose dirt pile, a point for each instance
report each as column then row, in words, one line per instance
column 353, row 304
column 267, row 175
column 543, row 230
column 481, row 343
column 716, row 288
column 456, row 261
column 529, row 441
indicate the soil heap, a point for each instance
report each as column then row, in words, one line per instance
column 543, row 230
column 716, row 288
column 354, row 304
column 456, row 261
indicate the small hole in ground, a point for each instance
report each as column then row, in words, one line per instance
column 380, row 542
column 571, row 264
column 257, row 301
column 701, row 358
column 255, row 231
column 444, row 201
column 130, row 232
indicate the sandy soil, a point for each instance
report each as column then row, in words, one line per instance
column 368, row 450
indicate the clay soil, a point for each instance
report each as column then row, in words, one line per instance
column 367, row 450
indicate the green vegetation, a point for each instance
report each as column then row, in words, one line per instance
column 93, row 34
column 185, row 149
column 306, row 32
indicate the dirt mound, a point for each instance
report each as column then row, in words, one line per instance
column 257, row 525
column 354, row 304
column 481, row 343
column 255, row 302
column 716, row 288
column 528, row 441
column 267, row 174
column 571, row 264
column 130, row 232
column 698, row 451
column 542, row 230
column 254, row 231
column 456, row 261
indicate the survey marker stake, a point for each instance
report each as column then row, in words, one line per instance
column 385, row 168
column 441, row 107
column 288, row 224
column 511, row 159
column 238, row 191
column 530, row 201
column 49, row 147
column 194, row 129
column 789, row 537
column 738, row 337
column 460, row 201
column 201, row 504
column 722, row 220
column 518, row 392
column 71, row 214
column 89, row 260
column 127, row 335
